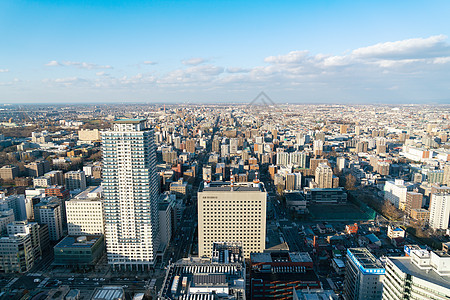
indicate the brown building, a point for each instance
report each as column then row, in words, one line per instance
column 420, row 214
column 37, row 168
column 190, row 145
column 413, row 201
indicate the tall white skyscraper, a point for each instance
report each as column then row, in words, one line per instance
column 439, row 211
column 130, row 195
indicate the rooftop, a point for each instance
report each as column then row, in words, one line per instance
column 85, row 241
column 220, row 186
column 406, row 265
column 365, row 260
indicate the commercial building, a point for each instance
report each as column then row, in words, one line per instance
column 439, row 211
column 131, row 194
column 232, row 212
column 79, row 251
column 364, row 275
column 275, row 274
column 220, row 277
column 75, row 180
column 421, row 275
column 85, row 216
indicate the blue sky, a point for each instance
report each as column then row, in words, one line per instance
column 211, row 51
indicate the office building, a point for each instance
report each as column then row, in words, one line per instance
column 49, row 212
column 85, row 216
column 131, row 193
column 324, row 176
column 364, row 275
column 232, row 212
column 439, row 211
column 421, row 275
column 75, row 180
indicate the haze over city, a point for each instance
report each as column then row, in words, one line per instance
column 200, row 51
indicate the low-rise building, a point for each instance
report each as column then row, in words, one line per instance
column 80, row 252
column 219, row 277
column 275, row 274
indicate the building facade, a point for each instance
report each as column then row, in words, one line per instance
column 131, row 194
column 364, row 275
column 232, row 212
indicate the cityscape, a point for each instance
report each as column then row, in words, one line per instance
column 225, row 201
column 224, row 150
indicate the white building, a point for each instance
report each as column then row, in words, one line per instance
column 85, row 213
column 230, row 212
column 131, row 195
column 439, row 211
column 283, row 159
column 395, row 192
column 422, row 275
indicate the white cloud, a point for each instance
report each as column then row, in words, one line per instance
column 4, row 70
column 368, row 71
column 80, row 65
column 149, row 62
column 52, row 63
column 434, row 46
column 194, row 61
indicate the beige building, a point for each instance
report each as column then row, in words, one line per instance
column 85, row 216
column 89, row 135
column 324, row 176
column 9, row 172
column 232, row 212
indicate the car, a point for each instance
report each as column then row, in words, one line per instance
column 125, row 286
column 86, row 279
column 70, row 279
column 102, row 279
column 95, row 279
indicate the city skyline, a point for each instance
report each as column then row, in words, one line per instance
column 197, row 52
